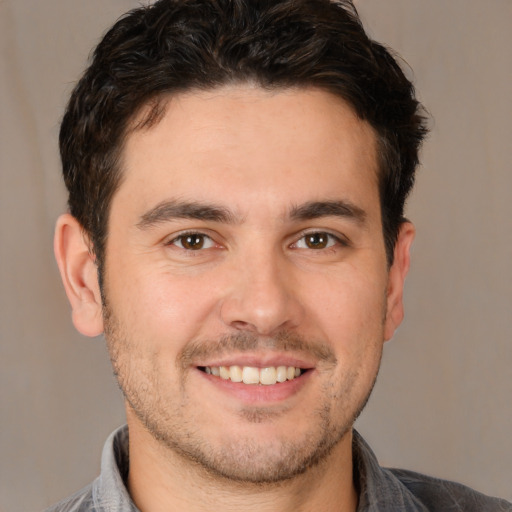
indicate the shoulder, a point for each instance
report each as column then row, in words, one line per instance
column 81, row 501
column 394, row 490
column 107, row 493
column 437, row 494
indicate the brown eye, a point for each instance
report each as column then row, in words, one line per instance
column 193, row 241
column 317, row 240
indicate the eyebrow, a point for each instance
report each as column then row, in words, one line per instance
column 169, row 210
column 175, row 209
column 317, row 209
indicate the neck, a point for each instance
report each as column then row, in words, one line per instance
column 160, row 480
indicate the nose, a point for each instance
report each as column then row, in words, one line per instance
column 263, row 297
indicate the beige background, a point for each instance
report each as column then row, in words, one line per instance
column 443, row 400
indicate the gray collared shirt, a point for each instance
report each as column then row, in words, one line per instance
column 380, row 489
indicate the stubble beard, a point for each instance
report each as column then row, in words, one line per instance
column 244, row 460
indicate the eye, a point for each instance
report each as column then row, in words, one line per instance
column 192, row 241
column 317, row 240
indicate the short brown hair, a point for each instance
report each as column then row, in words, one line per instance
column 178, row 45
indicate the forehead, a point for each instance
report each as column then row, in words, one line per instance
column 236, row 142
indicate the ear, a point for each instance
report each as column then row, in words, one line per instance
column 79, row 274
column 396, row 279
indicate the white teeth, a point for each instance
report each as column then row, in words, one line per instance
column 268, row 376
column 236, row 373
column 224, row 372
column 281, row 374
column 250, row 375
column 253, row 375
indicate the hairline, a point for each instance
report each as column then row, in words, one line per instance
column 152, row 111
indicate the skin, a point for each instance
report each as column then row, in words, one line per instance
column 250, row 174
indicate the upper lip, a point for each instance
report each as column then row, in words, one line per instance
column 259, row 361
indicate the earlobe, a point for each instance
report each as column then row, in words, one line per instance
column 79, row 275
column 396, row 279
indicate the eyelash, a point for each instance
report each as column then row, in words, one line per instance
column 332, row 241
column 189, row 234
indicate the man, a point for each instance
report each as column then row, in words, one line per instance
column 237, row 172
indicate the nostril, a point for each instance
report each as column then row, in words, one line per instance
column 243, row 326
column 260, row 309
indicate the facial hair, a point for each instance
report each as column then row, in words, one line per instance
column 242, row 458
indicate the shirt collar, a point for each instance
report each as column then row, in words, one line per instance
column 379, row 490
column 109, row 489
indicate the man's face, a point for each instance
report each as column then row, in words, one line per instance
column 246, row 234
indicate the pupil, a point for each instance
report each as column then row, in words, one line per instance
column 193, row 242
column 317, row 241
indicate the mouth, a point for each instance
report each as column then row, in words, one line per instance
column 254, row 375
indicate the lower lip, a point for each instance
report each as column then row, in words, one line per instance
column 259, row 393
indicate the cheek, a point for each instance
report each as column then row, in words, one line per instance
column 160, row 307
column 350, row 305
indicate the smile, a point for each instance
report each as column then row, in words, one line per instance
column 252, row 375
